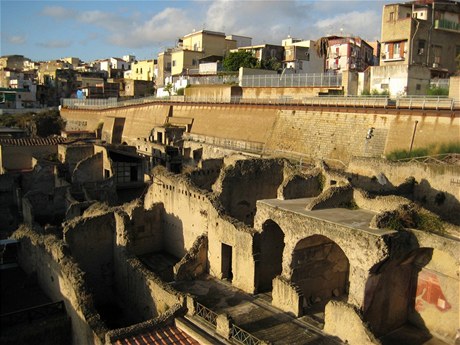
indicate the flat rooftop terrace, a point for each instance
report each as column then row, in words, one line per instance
column 354, row 219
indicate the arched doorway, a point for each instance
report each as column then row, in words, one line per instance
column 320, row 270
column 268, row 253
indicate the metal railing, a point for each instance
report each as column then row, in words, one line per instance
column 410, row 102
column 32, row 314
column 242, row 337
column 425, row 102
column 444, row 158
column 292, row 80
column 206, row 315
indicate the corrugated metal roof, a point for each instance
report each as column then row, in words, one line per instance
column 31, row 141
column 167, row 335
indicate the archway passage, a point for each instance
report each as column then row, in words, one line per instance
column 268, row 249
column 320, row 270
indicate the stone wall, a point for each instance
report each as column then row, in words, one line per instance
column 297, row 227
column 89, row 169
column 315, row 132
column 240, row 185
column 91, row 242
column 276, row 93
column 61, row 278
column 190, row 212
column 432, row 181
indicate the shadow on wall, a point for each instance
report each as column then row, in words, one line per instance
column 173, row 235
column 442, row 203
column 394, row 287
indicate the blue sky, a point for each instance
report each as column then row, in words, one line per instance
column 46, row 30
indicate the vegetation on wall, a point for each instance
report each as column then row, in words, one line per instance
column 42, row 124
column 233, row 61
column 431, row 150
column 437, row 91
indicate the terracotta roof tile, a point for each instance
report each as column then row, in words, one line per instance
column 31, row 141
column 168, row 335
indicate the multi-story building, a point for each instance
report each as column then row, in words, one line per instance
column 348, row 53
column 15, row 62
column 197, row 45
column 300, row 56
column 422, row 33
column 264, row 51
column 164, row 67
column 143, row 70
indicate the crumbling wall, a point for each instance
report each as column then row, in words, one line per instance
column 436, row 186
column 240, row 185
column 61, row 278
column 300, row 186
column 44, row 208
column 90, row 169
column 206, row 174
column 70, row 155
column 354, row 331
column 138, row 229
column 189, row 213
column 332, row 197
column 91, row 242
column 194, row 263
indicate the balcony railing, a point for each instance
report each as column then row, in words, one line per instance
column 446, row 25
column 242, row 337
column 206, row 315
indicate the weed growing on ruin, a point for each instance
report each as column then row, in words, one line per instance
column 430, row 223
column 321, row 181
column 351, row 205
column 430, row 150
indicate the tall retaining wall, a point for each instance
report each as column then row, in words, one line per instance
column 315, row 132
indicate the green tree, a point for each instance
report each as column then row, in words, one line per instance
column 233, row 61
column 270, row 64
column 168, row 88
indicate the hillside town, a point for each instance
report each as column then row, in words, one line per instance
column 302, row 192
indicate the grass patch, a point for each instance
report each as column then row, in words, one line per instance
column 431, row 150
column 430, row 223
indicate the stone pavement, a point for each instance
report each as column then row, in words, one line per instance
column 254, row 314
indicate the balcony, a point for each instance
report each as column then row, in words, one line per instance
column 446, row 25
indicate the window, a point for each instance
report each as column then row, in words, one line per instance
column 174, row 63
column 307, row 56
column 396, row 49
column 421, row 47
column 392, row 16
column 194, row 62
column 300, row 65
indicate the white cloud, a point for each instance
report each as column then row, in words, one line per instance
column 53, row 44
column 58, row 12
column 165, row 26
column 365, row 24
column 17, row 39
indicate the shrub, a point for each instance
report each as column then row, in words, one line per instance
column 437, row 91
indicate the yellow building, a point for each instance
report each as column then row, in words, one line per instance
column 196, row 46
column 143, row 70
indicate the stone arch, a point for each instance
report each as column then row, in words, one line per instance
column 320, row 269
column 268, row 249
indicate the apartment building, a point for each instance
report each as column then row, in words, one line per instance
column 143, row 70
column 300, row 56
column 348, row 53
column 197, row 45
column 422, row 33
column 163, row 66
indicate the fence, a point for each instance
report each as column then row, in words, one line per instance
column 292, row 80
column 206, row 315
column 31, row 314
column 442, row 83
column 242, row 337
column 410, row 102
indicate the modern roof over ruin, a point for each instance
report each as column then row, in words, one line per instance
column 162, row 336
column 31, row 141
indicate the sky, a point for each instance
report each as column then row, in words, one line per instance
column 47, row 30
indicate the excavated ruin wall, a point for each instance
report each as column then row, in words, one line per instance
column 91, row 242
column 431, row 180
column 60, row 277
column 363, row 252
column 240, row 185
column 437, row 301
column 188, row 213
